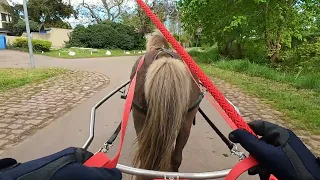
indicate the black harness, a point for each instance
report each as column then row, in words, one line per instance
column 145, row 109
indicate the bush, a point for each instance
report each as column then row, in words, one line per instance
column 38, row 45
column 20, row 27
column 305, row 56
column 209, row 56
column 108, row 35
column 256, row 51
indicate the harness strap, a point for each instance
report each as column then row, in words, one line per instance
column 197, row 103
column 223, row 138
column 114, row 135
column 101, row 159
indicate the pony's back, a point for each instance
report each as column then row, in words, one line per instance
column 167, row 87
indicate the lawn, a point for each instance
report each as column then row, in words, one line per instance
column 304, row 80
column 88, row 53
column 13, row 78
column 297, row 95
column 300, row 80
column 301, row 106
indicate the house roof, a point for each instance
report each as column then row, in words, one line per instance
column 3, row 2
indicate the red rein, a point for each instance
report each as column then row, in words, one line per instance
column 101, row 160
column 218, row 96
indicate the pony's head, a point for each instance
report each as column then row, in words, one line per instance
column 156, row 40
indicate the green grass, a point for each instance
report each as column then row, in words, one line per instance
column 302, row 107
column 204, row 56
column 13, row 78
column 297, row 80
column 302, row 80
column 297, row 95
column 86, row 53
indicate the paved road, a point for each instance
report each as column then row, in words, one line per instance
column 204, row 151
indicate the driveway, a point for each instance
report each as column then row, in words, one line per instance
column 204, row 151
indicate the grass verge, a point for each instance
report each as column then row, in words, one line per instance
column 86, row 53
column 13, row 78
column 301, row 106
column 299, row 80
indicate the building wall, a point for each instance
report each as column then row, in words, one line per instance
column 56, row 35
column 4, row 18
column 11, row 39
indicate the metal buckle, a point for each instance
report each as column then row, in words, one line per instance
column 106, row 148
column 236, row 152
column 171, row 178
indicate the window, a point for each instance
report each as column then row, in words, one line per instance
column 3, row 17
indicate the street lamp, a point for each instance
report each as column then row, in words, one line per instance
column 26, row 17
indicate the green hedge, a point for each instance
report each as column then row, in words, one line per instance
column 38, row 45
column 109, row 35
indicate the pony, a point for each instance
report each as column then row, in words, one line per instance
column 165, row 104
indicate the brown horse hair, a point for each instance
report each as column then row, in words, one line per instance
column 155, row 40
column 167, row 91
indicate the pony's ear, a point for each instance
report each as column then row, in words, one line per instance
column 156, row 32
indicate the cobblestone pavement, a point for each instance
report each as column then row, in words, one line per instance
column 252, row 108
column 31, row 107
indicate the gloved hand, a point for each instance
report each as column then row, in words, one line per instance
column 64, row 165
column 279, row 152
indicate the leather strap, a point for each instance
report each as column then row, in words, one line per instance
column 101, row 159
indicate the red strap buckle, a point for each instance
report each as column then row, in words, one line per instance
column 98, row 160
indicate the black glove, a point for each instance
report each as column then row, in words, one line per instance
column 279, row 152
column 64, row 165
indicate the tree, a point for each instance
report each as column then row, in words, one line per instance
column 234, row 24
column 20, row 27
column 164, row 9
column 106, row 10
column 49, row 12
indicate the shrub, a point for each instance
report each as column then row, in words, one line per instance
column 256, row 51
column 305, row 56
column 108, row 35
column 209, row 56
column 38, row 45
column 20, row 27
column 41, row 45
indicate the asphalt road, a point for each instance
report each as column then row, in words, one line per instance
column 204, row 151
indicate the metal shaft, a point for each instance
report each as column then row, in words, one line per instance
column 26, row 17
column 168, row 175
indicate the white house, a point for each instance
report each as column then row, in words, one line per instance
column 5, row 17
